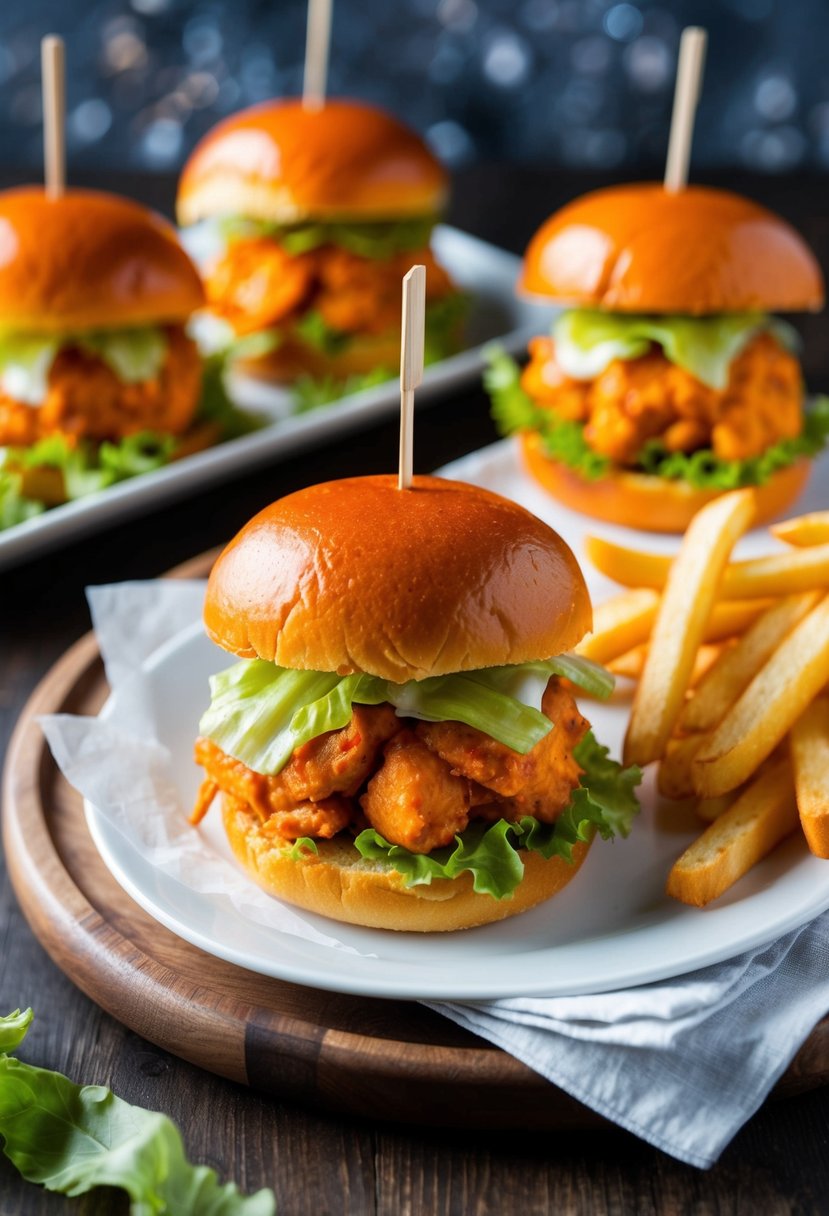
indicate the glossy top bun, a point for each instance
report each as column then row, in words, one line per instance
column 89, row 260
column 637, row 248
column 283, row 162
column 356, row 575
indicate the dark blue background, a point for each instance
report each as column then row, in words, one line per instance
column 580, row 83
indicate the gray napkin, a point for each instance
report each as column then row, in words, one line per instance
column 682, row 1063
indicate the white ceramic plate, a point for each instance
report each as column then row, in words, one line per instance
column 611, row 928
column 497, row 314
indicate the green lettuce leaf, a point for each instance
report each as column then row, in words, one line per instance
column 14, row 508
column 563, row 440
column 72, row 1139
column 87, row 468
column 260, row 713
column 14, row 1028
column 134, row 355
column 587, row 341
column 378, row 239
column 604, row 802
column 444, row 321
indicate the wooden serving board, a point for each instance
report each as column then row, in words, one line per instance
column 383, row 1059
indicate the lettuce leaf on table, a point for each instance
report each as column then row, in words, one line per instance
column 72, row 1139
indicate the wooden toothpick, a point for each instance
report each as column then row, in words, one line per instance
column 686, row 96
column 53, row 84
column 411, row 365
column 317, row 41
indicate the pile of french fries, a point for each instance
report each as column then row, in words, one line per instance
column 731, row 660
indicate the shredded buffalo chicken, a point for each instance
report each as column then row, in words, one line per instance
column 417, row 783
column 650, row 398
column 257, row 285
column 86, row 400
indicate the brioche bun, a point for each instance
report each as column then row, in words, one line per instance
column 646, row 501
column 285, row 162
column 358, row 576
column 638, row 248
column 337, row 882
column 89, row 260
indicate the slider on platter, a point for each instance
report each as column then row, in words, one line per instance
column 98, row 377
column 666, row 380
column 319, row 212
column 398, row 744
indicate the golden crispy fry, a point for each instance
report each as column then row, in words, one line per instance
column 709, row 809
column 619, row 624
column 43, row 484
column 632, row 663
column 673, row 778
column 781, row 574
column 771, row 704
column 810, row 759
column 737, row 665
column 690, row 592
column 730, row 617
column 804, row 530
column 763, row 815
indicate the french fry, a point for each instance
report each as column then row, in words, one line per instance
column 809, row 741
column 781, row 574
column 690, row 591
column 767, row 709
column 631, row 663
column 737, row 666
column 763, row 815
column 673, row 777
column 709, row 809
column 619, row 624
column 44, row 484
column 730, row 617
column 812, row 529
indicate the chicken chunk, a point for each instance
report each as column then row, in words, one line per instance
column 86, row 400
column 340, row 761
column 414, row 799
column 539, row 783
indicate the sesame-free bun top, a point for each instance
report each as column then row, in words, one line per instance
column 89, row 260
column 284, row 162
column 638, row 248
column 356, row 575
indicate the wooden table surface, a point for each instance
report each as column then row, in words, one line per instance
column 318, row 1163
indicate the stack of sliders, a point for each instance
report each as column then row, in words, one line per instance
column 732, row 664
column 98, row 377
column 398, row 744
column 666, row 380
column 318, row 211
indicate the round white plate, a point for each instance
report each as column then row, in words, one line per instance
column 612, row 928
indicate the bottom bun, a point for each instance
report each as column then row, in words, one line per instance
column 337, row 882
column 641, row 500
column 294, row 358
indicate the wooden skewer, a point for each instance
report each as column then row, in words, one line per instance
column 411, row 365
column 686, row 96
column 317, row 41
column 53, row 77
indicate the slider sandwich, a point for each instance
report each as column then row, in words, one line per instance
column 318, row 213
column 398, row 744
column 666, row 379
column 98, row 377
